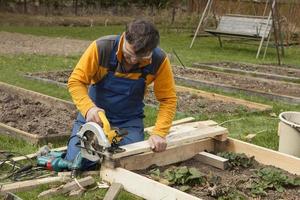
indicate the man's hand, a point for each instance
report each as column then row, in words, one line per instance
column 157, row 143
column 92, row 115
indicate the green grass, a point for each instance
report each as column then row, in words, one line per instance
column 204, row 50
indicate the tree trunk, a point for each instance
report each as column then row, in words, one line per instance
column 75, row 2
column 25, row 7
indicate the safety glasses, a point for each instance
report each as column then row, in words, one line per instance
column 133, row 57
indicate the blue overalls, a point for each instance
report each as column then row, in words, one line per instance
column 122, row 100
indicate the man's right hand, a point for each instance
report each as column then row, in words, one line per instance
column 92, row 115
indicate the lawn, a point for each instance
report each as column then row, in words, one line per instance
column 204, row 50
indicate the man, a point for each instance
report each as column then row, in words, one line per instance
column 117, row 70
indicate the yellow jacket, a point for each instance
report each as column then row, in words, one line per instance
column 88, row 71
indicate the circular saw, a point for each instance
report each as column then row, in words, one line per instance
column 97, row 142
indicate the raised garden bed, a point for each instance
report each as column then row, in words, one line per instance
column 243, row 177
column 189, row 100
column 35, row 117
column 271, row 89
column 285, row 73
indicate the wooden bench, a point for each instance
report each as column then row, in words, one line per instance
column 242, row 26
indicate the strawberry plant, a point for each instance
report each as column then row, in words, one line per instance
column 271, row 178
column 237, row 159
column 180, row 176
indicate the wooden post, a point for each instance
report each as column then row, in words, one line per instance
column 113, row 191
column 200, row 22
column 275, row 33
column 263, row 37
column 279, row 29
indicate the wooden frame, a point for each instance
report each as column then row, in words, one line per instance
column 204, row 94
column 131, row 181
column 228, row 88
column 48, row 100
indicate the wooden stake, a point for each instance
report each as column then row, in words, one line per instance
column 113, row 191
column 200, row 22
column 213, row 160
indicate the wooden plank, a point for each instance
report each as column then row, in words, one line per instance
column 27, row 185
column 247, row 72
column 142, row 186
column 262, row 155
column 73, row 185
column 33, row 155
column 173, row 154
column 228, row 88
column 213, row 160
column 172, row 140
column 113, row 191
column 174, row 123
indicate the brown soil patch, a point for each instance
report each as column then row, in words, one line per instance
column 16, row 43
column 32, row 116
column 187, row 102
column 243, row 82
column 267, row 69
column 238, row 179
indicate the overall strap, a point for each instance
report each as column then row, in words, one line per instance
column 107, row 47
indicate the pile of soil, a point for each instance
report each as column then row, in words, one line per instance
column 34, row 117
column 267, row 69
column 238, row 180
column 243, row 82
column 187, row 102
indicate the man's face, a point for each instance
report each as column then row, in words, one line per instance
column 130, row 55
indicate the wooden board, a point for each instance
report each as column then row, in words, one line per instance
column 173, row 154
column 212, row 159
column 228, row 88
column 113, row 191
column 27, row 185
column 262, row 155
column 174, row 139
column 246, row 72
column 142, row 186
column 48, row 100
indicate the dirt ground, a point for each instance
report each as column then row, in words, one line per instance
column 244, row 82
column 226, row 181
column 284, row 70
column 34, row 117
column 16, row 43
column 187, row 101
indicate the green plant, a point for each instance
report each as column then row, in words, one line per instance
column 180, row 176
column 271, row 178
column 237, row 159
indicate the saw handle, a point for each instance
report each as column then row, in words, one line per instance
column 105, row 122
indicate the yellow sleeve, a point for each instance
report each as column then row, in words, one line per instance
column 164, row 89
column 82, row 76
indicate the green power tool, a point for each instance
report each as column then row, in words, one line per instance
column 54, row 161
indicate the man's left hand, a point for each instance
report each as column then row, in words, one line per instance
column 157, row 143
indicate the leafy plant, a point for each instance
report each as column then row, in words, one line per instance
column 271, row 178
column 237, row 159
column 180, row 176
